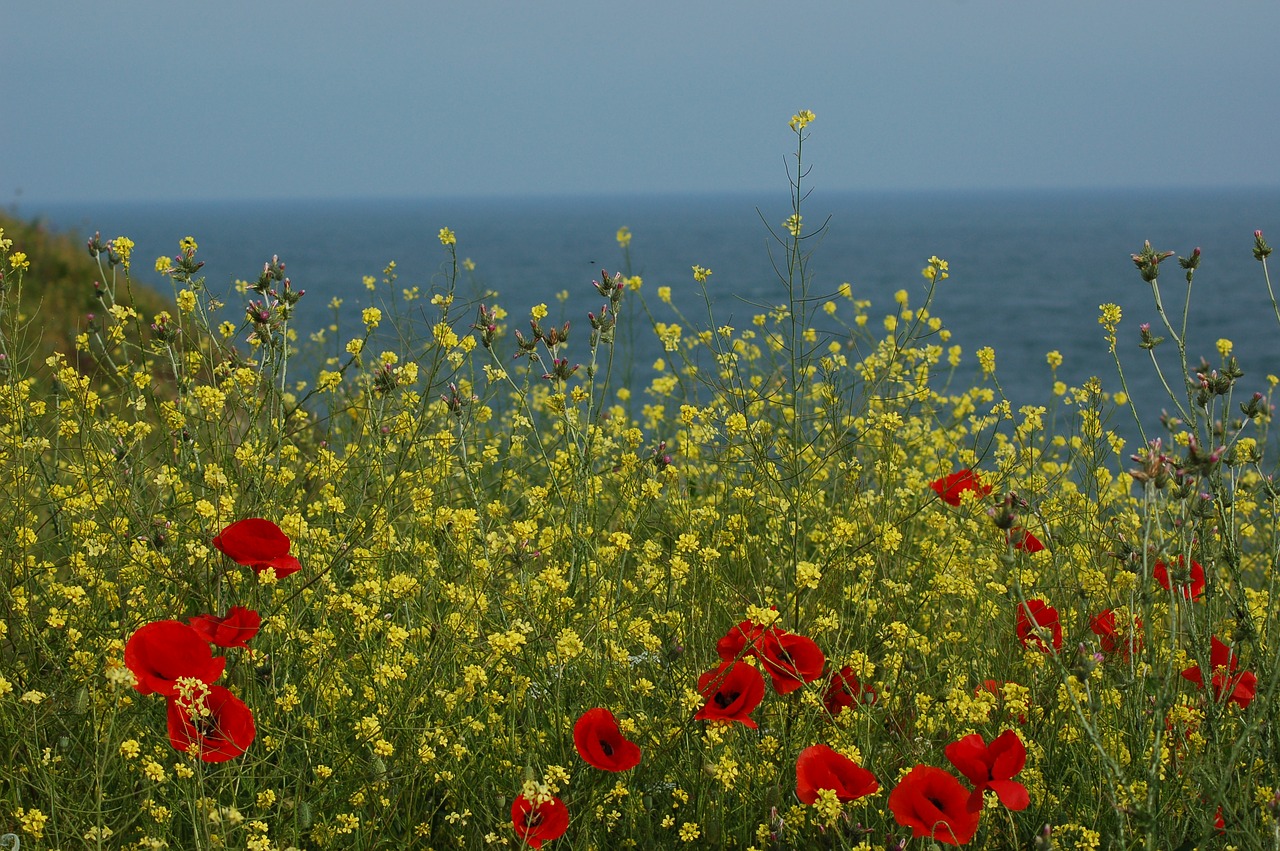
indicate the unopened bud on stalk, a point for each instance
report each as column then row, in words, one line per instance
column 1202, row 507
column 560, row 370
column 1148, row 261
column 556, row 336
column 1088, row 660
column 525, row 347
column 1261, row 251
column 163, row 329
column 1148, row 340
column 485, row 325
column 455, row 401
column 1004, row 515
column 1156, row 468
column 1255, row 407
column 661, row 460
column 1190, row 263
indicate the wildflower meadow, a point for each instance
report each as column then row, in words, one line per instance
column 444, row 581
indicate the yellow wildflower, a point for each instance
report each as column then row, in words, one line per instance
column 801, row 120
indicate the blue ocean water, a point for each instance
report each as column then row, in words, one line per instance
column 1028, row 269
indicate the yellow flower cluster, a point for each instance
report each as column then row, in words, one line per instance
column 936, row 270
column 801, row 120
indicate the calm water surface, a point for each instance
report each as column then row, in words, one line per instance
column 1028, row 270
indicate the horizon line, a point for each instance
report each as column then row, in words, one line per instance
column 15, row 205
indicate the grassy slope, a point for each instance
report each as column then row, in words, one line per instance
column 57, row 291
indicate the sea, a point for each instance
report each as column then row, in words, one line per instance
column 1028, row 269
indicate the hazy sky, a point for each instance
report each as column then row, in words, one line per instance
column 291, row 99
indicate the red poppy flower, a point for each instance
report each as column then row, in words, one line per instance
column 1237, row 688
column 1024, row 540
column 1035, row 620
column 216, row 725
column 997, row 688
column 1112, row 639
column 989, row 686
column 732, row 691
column 790, row 660
column 600, row 742
column 819, row 767
column 742, row 640
column 934, row 804
column 992, row 767
column 844, row 690
column 259, row 544
column 233, row 629
column 539, row 823
column 949, row 488
column 162, row 651
column 1191, row 586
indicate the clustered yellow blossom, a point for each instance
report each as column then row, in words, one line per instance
column 937, row 270
column 801, row 120
column 122, row 246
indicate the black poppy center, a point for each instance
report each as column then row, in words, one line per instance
column 533, row 819
column 724, row 699
column 205, row 726
column 606, row 747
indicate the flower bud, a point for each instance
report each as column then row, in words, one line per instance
column 1260, row 248
column 1148, row 341
column 1255, row 407
column 1148, row 261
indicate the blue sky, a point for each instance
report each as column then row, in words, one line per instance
column 153, row 100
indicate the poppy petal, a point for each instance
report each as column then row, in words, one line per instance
column 1011, row 793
